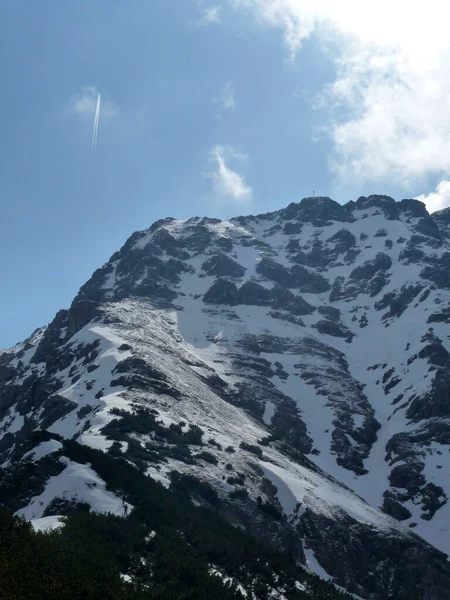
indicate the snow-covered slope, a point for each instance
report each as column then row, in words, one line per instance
column 296, row 361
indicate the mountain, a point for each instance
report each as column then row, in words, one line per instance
column 295, row 364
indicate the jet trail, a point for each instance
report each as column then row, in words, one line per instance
column 95, row 130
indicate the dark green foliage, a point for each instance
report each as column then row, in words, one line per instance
column 84, row 560
column 190, row 485
column 193, row 435
column 144, row 421
column 115, row 449
column 213, row 442
column 236, row 480
column 24, row 479
column 181, row 452
column 84, row 411
column 54, row 566
column 271, row 509
column 137, row 454
column 239, row 493
column 63, row 506
column 251, row 448
column 266, row 441
column 41, row 435
column 170, row 442
column 207, row 456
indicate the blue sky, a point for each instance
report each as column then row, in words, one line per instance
column 208, row 108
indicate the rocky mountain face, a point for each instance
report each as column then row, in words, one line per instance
column 296, row 362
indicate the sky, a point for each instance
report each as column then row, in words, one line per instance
column 208, row 107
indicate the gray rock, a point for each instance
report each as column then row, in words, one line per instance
column 222, row 265
column 282, row 298
column 412, row 570
column 439, row 273
column 333, row 329
column 369, row 269
column 394, row 508
column 254, row 294
column 399, row 302
column 318, row 210
column 222, row 291
column 386, row 204
column 412, row 208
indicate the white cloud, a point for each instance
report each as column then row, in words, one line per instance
column 437, row 200
column 226, row 99
column 226, row 182
column 209, row 16
column 84, row 102
column 393, row 80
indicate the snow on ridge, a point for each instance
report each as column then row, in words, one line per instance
column 140, row 321
column 46, row 524
column 184, row 228
column 110, row 280
column 205, row 336
column 21, row 348
column 34, row 338
column 76, row 482
column 101, row 397
column 313, row 565
column 323, row 496
column 43, row 449
column 11, row 422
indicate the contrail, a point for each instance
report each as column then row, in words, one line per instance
column 95, row 130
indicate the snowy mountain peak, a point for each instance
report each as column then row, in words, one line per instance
column 297, row 361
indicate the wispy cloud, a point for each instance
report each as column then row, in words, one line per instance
column 226, row 99
column 118, row 124
column 208, row 16
column 392, row 83
column 83, row 104
column 439, row 199
column 229, row 184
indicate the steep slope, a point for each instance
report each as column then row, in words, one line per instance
column 295, row 361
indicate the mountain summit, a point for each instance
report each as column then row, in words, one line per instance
column 296, row 364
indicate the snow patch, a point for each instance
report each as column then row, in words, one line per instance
column 48, row 523
column 79, row 482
